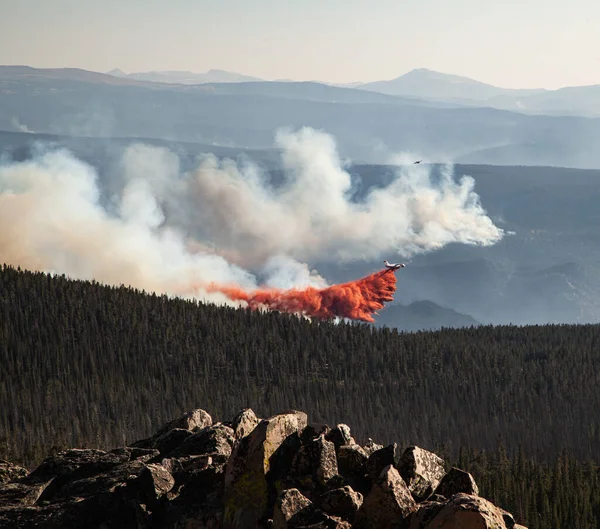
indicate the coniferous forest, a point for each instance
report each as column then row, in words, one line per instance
column 82, row 364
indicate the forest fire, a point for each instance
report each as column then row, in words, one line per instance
column 356, row 300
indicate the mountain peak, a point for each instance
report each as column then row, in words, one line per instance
column 117, row 72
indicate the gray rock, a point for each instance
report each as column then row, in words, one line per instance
column 316, row 459
column 217, row 439
column 246, row 489
column 192, row 420
column 388, row 505
column 343, row 502
column 421, row 470
column 340, row 436
column 289, row 503
column 465, row 511
column 170, row 440
column 380, row 459
column 244, row 422
column 9, row 471
column 19, row 494
column 371, row 446
column 352, row 461
column 427, row 512
column 456, row 481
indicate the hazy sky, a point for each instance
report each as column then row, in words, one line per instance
column 511, row 43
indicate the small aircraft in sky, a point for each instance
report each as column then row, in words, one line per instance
column 418, row 161
column 393, row 266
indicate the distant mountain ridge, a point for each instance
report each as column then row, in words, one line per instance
column 187, row 77
column 431, row 84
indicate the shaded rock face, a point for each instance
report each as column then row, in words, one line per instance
column 456, row 481
column 343, row 502
column 465, row 511
column 10, row 472
column 244, row 422
column 421, row 470
column 247, row 491
column 388, row 504
column 279, row 473
column 316, row 459
column 380, row 459
column 340, row 436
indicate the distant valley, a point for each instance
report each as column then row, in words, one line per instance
column 369, row 126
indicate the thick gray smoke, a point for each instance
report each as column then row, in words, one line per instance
column 171, row 232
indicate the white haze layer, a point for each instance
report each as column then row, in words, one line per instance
column 174, row 233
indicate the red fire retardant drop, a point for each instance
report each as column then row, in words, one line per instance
column 356, row 300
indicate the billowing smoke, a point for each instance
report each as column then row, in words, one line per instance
column 225, row 223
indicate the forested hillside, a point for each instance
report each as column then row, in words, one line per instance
column 82, row 364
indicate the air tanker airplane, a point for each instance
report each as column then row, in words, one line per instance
column 393, row 266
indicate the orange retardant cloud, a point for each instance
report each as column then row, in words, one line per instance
column 356, row 300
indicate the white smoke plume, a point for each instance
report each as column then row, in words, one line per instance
column 170, row 232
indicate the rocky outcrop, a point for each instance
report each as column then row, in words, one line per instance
column 421, row 470
column 465, row 511
column 456, row 481
column 10, row 471
column 277, row 472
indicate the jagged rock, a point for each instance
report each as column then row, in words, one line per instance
column 312, row 431
column 156, row 481
column 380, row 459
column 96, row 512
column 246, row 488
column 421, row 470
column 342, row 502
column 508, row 518
column 228, row 475
column 294, row 511
column 244, row 422
column 76, row 463
column 316, row 459
column 388, row 504
column 192, row 420
column 340, row 436
column 352, row 461
column 187, row 511
column 427, row 512
column 183, row 469
column 371, row 446
column 72, row 465
column 20, row 494
column 465, row 511
column 217, row 439
column 10, row 472
column 170, row 440
column 289, row 503
column 136, row 454
column 134, row 480
column 456, row 481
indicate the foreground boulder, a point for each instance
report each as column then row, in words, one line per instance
column 465, row 511
column 388, row 504
column 421, row 470
column 277, row 472
column 246, row 489
column 456, row 481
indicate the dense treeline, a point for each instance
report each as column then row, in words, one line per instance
column 86, row 364
column 558, row 495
